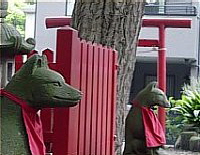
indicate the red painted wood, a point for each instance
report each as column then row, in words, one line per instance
column 47, row 117
column 50, row 54
column 88, row 104
column 75, row 82
column 55, row 22
column 148, row 43
column 104, row 102
column 113, row 102
column 161, row 69
column 99, row 101
column 93, row 141
column 109, row 105
column 18, row 62
column 81, row 127
column 69, row 66
column 171, row 23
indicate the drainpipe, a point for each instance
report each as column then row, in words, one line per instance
column 198, row 57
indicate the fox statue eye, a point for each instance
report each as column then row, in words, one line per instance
column 58, row 84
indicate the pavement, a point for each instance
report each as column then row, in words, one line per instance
column 171, row 151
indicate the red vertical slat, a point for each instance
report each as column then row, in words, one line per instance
column 104, row 102
column 18, row 62
column 93, row 141
column 109, row 104
column 47, row 124
column 88, row 98
column 114, row 96
column 47, row 114
column 81, row 127
column 99, row 101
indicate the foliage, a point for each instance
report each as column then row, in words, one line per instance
column 184, row 111
column 188, row 107
column 174, row 126
column 195, row 87
column 16, row 16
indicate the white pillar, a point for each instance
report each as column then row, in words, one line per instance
column 46, row 38
column 29, row 11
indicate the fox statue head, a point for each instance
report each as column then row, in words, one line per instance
column 151, row 95
column 41, row 86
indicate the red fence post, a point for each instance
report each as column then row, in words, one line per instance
column 68, row 64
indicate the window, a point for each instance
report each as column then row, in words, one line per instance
column 170, row 83
column 9, row 71
column 151, row 1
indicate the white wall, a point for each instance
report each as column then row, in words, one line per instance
column 46, row 38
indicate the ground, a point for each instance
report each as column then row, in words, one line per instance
column 171, row 151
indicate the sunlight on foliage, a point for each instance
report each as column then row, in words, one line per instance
column 16, row 16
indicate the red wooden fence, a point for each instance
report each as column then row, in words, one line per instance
column 89, row 128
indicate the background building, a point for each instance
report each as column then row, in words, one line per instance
column 183, row 45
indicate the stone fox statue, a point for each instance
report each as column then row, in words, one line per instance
column 143, row 132
column 32, row 88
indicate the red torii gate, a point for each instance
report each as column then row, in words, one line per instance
column 162, row 24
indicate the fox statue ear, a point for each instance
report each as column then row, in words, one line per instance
column 151, row 85
column 34, row 62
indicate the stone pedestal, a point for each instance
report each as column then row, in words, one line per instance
column 194, row 143
column 185, row 139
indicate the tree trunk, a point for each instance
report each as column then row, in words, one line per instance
column 114, row 23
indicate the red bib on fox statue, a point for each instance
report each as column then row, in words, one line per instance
column 32, row 123
column 143, row 132
column 154, row 132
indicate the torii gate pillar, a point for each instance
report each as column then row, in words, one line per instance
column 162, row 24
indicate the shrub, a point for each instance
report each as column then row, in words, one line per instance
column 188, row 107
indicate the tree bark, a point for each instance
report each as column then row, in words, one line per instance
column 114, row 23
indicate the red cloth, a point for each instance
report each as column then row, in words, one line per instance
column 32, row 123
column 154, row 132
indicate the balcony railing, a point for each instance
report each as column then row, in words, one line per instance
column 172, row 10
